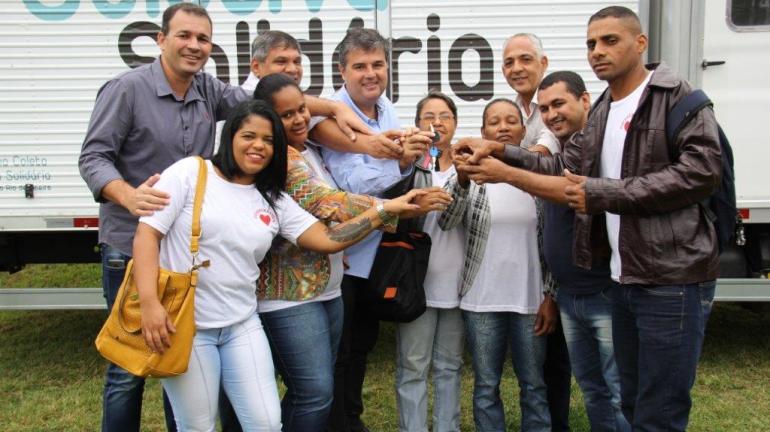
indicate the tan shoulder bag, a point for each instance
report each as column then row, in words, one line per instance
column 120, row 340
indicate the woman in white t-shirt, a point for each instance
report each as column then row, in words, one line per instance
column 244, row 208
column 501, row 304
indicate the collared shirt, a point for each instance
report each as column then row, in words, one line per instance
column 537, row 133
column 139, row 127
column 363, row 174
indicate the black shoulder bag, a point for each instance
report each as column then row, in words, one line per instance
column 394, row 290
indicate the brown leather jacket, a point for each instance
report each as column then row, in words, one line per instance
column 665, row 238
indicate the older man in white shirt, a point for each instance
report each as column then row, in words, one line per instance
column 524, row 65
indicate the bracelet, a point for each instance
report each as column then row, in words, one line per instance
column 384, row 215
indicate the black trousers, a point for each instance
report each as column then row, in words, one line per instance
column 359, row 336
column 558, row 375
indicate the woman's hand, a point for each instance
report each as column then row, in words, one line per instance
column 415, row 144
column 478, row 149
column 348, row 121
column 420, row 202
column 155, row 322
column 488, row 170
column 328, row 240
column 459, row 161
column 404, row 203
column 547, row 316
column 156, row 326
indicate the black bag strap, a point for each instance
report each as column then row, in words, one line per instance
column 684, row 111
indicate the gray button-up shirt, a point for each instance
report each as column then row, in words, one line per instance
column 139, row 127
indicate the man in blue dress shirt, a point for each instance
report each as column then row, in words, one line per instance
column 364, row 68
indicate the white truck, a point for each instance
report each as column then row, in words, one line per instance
column 55, row 55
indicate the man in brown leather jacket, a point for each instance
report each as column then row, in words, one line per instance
column 637, row 198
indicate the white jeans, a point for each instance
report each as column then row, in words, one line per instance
column 240, row 356
column 434, row 339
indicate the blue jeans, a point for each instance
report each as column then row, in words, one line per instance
column 488, row 336
column 434, row 339
column 237, row 356
column 658, row 333
column 304, row 341
column 122, row 404
column 587, row 323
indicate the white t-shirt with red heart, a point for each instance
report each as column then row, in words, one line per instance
column 237, row 229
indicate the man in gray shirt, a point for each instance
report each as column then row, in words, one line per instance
column 143, row 121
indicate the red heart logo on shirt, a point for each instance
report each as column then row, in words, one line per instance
column 627, row 122
column 265, row 218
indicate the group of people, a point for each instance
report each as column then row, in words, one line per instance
column 568, row 232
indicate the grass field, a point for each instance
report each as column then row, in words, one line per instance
column 51, row 375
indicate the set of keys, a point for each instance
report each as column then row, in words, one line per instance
column 435, row 153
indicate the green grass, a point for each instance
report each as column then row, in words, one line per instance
column 54, row 276
column 51, row 375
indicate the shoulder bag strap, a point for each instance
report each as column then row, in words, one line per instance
column 681, row 114
column 200, row 189
column 683, row 111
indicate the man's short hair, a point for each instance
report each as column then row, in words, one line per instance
column 364, row 39
column 536, row 42
column 571, row 80
column 619, row 12
column 190, row 8
column 435, row 94
column 269, row 40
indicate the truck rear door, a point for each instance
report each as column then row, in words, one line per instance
column 735, row 64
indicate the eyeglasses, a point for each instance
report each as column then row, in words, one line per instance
column 430, row 117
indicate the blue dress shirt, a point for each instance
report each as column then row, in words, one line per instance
column 363, row 174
